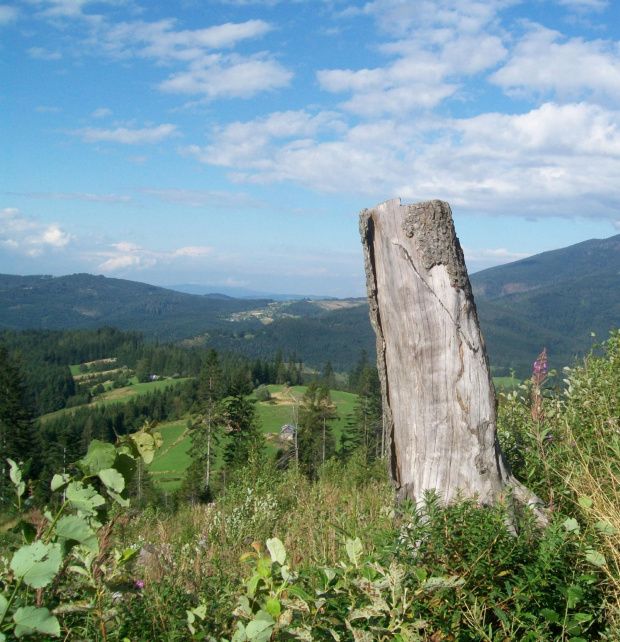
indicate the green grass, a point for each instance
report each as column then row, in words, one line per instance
column 125, row 394
column 507, row 383
column 172, row 459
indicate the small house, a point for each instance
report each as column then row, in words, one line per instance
column 288, row 432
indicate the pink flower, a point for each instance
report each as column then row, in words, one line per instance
column 140, row 584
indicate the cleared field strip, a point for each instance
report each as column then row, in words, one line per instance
column 120, row 395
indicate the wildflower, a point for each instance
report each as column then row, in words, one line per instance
column 548, row 437
column 140, row 584
column 573, row 444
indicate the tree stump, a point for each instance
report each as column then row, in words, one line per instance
column 439, row 402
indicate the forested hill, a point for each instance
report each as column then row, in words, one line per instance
column 590, row 259
column 84, row 301
column 553, row 300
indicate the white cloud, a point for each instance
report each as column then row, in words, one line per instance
column 545, row 62
column 160, row 40
column 479, row 259
column 7, row 14
column 101, row 112
column 124, row 255
column 554, row 160
column 68, row 8
column 206, row 70
column 205, row 198
column 438, row 45
column 125, row 136
column 28, row 235
column 81, row 196
column 584, row 5
column 39, row 53
column 228, row 77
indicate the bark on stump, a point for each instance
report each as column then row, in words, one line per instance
column 440, row 412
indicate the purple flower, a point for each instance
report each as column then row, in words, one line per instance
column 140, row 584
column 548, row 437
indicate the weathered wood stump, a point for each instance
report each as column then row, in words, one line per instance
column 439, row 401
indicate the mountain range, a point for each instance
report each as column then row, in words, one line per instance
column 553, row 300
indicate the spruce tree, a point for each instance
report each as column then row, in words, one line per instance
column 17, row 434
column 210, row 420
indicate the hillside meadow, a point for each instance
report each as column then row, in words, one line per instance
column 281, row 556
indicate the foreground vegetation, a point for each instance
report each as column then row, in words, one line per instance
column 321, row 552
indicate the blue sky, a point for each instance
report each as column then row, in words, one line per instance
column 234, row 142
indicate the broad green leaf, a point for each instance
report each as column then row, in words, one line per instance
column 571, row 525
column 276, row 550
column 581, row 617
column 263, row 567
column 273, row 607
column 16, row 477
column 75, row 528
column 119, row 499
column 261, row 625
column 126, row 466
column 58, row 481
column 84, row 498
column 595, row 558
column 4, row 604
column 354, row 549
column 605, row 528
column 585, row 501
column 158, row 440
column 30, row 619
column 15, row 473
column 253, row 583
column 37, row 563
column 112, row 479
column 550, row 615
column 145, row 445
column 574, row 594
column 100, row 456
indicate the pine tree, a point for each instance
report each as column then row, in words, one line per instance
column 17, row 434
column 210, row 420
column 364, row 429
column 315, row 440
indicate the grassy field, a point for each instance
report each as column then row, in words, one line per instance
column 120, row 395
column 172, row 459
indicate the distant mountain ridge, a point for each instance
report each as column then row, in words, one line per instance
column 594, row 257
column 552, row 300
column 238, row 292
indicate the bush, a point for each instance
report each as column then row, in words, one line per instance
column 262, row 393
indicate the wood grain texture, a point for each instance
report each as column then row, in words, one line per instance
column 438, row 395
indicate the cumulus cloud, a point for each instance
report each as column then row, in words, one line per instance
column 546, row 62
column 126, row 136
column 552, row 160
column 228, row 77
column 28, row 235
column 206, row 70
column 124, row 255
